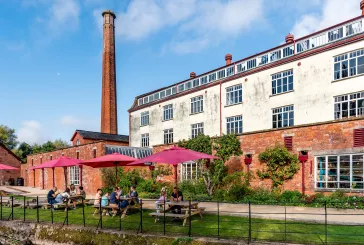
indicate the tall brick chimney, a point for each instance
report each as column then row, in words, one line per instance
column 362, row 7
column 109, row 116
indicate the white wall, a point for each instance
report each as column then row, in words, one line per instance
column 313, row 100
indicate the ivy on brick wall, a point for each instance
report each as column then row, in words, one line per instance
column 280, row 165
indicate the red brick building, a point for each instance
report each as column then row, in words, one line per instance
column 7, row 157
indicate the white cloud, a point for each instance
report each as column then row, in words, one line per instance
column 64, row 15
column 70, row 121
column 30, row 132
column 331, row 12
column 199, row 23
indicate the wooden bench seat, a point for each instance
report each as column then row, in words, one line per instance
column 183, row 217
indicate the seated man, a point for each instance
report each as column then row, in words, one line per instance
column 114, row 200
column 52, row 195
column 82, row 193
column 176, row 196
column 132, row 194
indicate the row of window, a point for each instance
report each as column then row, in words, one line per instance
column 340, row 172
column 348, row 67
column 349, row 64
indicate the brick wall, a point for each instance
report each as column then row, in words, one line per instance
column 91, row 177
column 324, row 138
column 9, row 159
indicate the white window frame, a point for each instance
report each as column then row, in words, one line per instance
column 74, row 173
column 144, row 118
column 351, row 61
column 234, row 94
column 354, row 105
column 168, row 112
column 190, row 171
column 325, row 180
column 144, row 140
column 286, row 79
column 234, row 125
column 282, row 111
column 197, row 104
column 168, row 136
column 197, row 129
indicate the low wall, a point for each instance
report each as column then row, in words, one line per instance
column 15, row 232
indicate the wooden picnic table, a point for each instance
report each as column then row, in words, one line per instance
column 188, row 208
column 116, row 208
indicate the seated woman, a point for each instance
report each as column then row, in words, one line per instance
column 132, row 194
column 73, row 191
column 161, row 200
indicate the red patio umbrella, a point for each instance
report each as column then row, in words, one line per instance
column 59, row 162
column 174, row 156
column 6, row 167
column 111, row 160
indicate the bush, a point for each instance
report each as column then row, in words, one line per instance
column 338, row 195
column 236, row 193
column 290, row 197
column 262, row 195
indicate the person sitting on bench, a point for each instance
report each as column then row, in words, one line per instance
column 52, row 195
column 176, row 196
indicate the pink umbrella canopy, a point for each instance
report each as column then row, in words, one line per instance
column 111, row 160
column 56, row 163
column 6, row 167
column 174, row 156
column 59, row 162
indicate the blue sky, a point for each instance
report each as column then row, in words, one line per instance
column 51, row 50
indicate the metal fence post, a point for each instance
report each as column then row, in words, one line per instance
column 164, row 218
column 24, row 209
column 285, row 223
column 67, row 212
column 250, row 225
column 37, row 209
column 12, row 207
column 52, row 209
column 1, row 207
column 83, row 213
column 120, row 221
column 218, row 220
column 325, row 222
column 189, row 218
column 141, row 215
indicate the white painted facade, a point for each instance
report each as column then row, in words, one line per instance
column 313, row 95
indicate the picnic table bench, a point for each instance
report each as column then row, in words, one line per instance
column 116, row 209
column 186, row 208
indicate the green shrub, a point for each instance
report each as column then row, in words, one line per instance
column 290, row 197
column 261, row 195
column 236, row 193
column 337, row 195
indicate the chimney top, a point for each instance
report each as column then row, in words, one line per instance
column 289, row 38
column 109, row 12
column 192, row 75
column 228, row 58
column 362, row 6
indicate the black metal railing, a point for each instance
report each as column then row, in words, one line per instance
column 252, row 222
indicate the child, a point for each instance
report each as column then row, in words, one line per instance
column 161, row 200
column 82, row 192
column 98, row 197
column 105, row 200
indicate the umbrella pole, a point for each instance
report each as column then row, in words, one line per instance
column 65, row 177
column 175, row 174
column 80, row 175
column 43, row 178
column 116, row 174
column 53, row 176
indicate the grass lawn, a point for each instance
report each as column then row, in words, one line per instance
column 229, row 227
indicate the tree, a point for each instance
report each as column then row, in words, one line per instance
column 23, row 151
column 225, row 147
column 281, row 165
column 8, row 137
column 60, row 144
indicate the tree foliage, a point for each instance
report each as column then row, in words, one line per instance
column 225, row 147
column 8, row 137
column 281, row 165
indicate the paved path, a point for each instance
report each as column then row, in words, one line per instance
column 334, row 216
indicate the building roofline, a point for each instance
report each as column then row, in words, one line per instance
column 244, row 59
column 10, row 151
column 77, row 130
column 69, row 147
column 258, row 69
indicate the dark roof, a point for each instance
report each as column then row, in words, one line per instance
column 12, row 153
column 102, row 136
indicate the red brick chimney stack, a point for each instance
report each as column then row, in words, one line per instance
column 228, row 59
column 192, row 75
column 289, row 38
column 362, row 7
column 109, row 117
